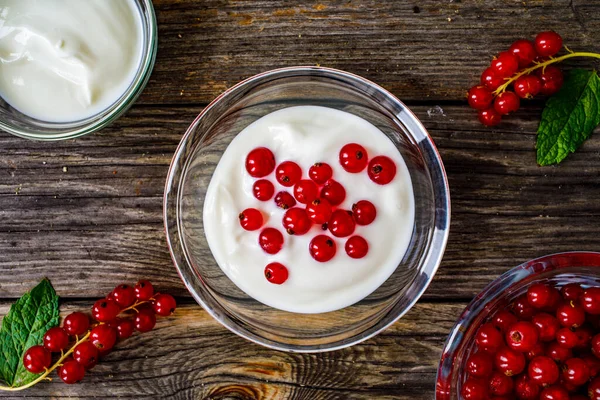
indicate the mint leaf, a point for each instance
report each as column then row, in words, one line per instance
column 24, row 326
column 569, row 117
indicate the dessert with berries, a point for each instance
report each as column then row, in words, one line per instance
column 310, row 209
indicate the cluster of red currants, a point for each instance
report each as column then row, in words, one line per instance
column 91, row 344
column 545, row 346
column 514, row 67
column 319, row 196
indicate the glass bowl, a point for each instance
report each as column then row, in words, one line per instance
column 200, row 151
column 558, row 269
column 19, row 124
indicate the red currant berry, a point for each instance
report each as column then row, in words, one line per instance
column 576, row 371
column 86, row 354
column 276, row 273
column 305, row 191
column 525, row 52
column 105, row 310
column 522, row 336
column 590, row 300
column 548, row 43
column 593, row 390
column 56, row 339
column 333, row 192
column 319, row 211
column 322, row 248
column 143, row 290
column 509, row 362
column 474, row 389
column 566, row 338
column 341, row 223
column 251, row 219
column 260, row 162
column 570, row 315
column 539, row 295
column 579, row 397
column 522, row 309
column 288, row 173
column 263, row 189
column 552, row 79
column 357, row 247
column 571, row 291
column 480, row 365
column 124, row 295
column 480, row 97
column 490, row 80
column 596, row 345
column 538, row 350
column 503, row 320
column 584, row 337
column 558, row 353
column 555, row 301
column 543, row 370
column 103, row 337
column 364, row 212
column 320, row 172
column 270, row 240
column 76, row 323
column 555, row 392
column 124, row 327
column 145, row 320
column 296, row 221
column 547, row 326
column 506, row 102
column 527, row 86
column 71, row 371
column 505, row 64
column 526, row 389
column 353, row 157
column 489, row 117
column 37, row 359
column 285, row 200
column 488, row 338
column 164, row 305
column 382, row 170
column 593, row 364
column 500, row 384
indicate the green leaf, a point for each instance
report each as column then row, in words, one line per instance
column 24, row 326
column 570, row 117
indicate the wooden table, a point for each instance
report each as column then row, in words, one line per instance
column 87, row 213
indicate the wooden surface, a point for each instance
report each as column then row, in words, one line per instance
column 87, row 213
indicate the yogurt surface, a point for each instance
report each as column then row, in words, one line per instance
column 67, row 60
column 305, row 135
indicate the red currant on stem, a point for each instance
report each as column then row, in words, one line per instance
column 276, row 273
column 260, row 162
column 251, row 219
column 320, row 172
column 527, row 86
column 124, row 327
column 489, row 117
column 551, row 78
column 143, row 290
column 548, row 43
column 382, row 170
column 319, row 211
column 164, row 304
column 103, row 337
column 37, row 359
column 124, row 295
column 341, row 223
column 480, row 365
column 322, row 248
column 105, row 310
column 76, row 323
column 270, row 240
column 56, row 339
column 333, row 192
column 71, row 371
column 145, row 320
column 490, row 80
column 543, row 370
column 474, row 389
column 288, row 173
column 480, row 97
column 305, row 191
column 284, row 200
column 263, row 189
column 353, row 157
column 86, row 354
column 525, row 52
column 506, row 102
column 296, row 221
column 356, row 247
column 522, row 336
column 505, row 64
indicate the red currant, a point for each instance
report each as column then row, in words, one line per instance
column 382, row 170
column 525, row 52
column 285, row 200
column 56, row 339
column 590, row 300
column 503, row 320
column 539, row 295
column 105, row 310
column 538, row 350
column 576, row 371
column 489, row 117
column 364, row 212
column 296, row 221
column 479, row 365
column 319, row 211
column 322, row 248
column 145, row 320
column 488, row 338
column 566, row 338
column 288, row 173
column 76, row 323
column 522, row 336
column 593, row 364
column 37, row 359
column 480, row 97
column 584, row 337
column 522, row 308
column 251, row 219
column 571, row 291
column 500, row 384
column 124, row 295
column 555, row 392
column 353, row 157
column 593, row 390
column 103, row 337
column 506, row 102
column 548, row 43
column 596, row 345
column 527, row 86
column 71, row 371
column 305, row 191
column 341, row 223
column 333, row 192
column 552, row 79
column 164, row 304
column 86, row 354
column 276, row 273
column 490, row 80
column 558, row 353
column 509, row 362
column 260, row 162
column 270, row 240
column 356, row 247
column 570, row 315
column 526, row 389
column 474, row 389
column 320, row 172
column 505, row 64
column 547, row 326
column 124, row 327
column 143, row 290
column 555, row 301
column 543, row 370
column 263, row 189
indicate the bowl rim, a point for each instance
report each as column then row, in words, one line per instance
column 114, row 111
column 433, row 257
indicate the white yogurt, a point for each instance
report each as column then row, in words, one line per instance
column 306, row 135
column 67, row 60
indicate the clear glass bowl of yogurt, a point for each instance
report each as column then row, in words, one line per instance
column 70, row 68
column 225, row 293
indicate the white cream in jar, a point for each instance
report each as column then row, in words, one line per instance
column 67, row 60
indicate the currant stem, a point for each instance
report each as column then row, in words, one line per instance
column 544, row 64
